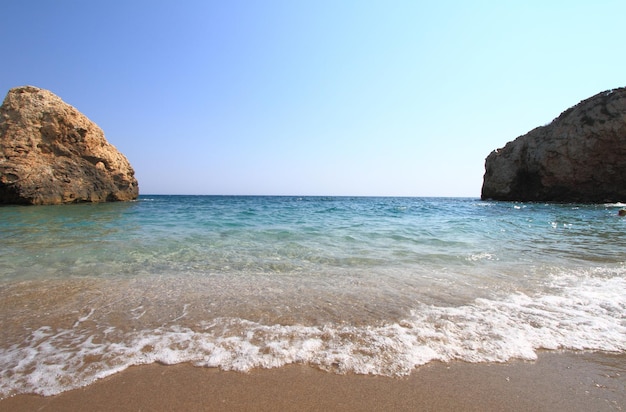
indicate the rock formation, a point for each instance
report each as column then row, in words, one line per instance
column 50, row 153
column 579, row 157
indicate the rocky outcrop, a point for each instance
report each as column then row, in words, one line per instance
column 50, row 153
column 579, row 157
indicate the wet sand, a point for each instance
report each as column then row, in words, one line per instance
column 555, row 382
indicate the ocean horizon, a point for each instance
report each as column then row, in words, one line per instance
column 347, row 284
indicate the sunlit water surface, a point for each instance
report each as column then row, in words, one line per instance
column 364, row 285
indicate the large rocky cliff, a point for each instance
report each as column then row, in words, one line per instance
column 50, row 153
column 579, row 157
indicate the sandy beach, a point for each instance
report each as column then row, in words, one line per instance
column 555, row 382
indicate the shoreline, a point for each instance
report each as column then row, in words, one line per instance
column 556, row 381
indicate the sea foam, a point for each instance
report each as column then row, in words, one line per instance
column 584, row 312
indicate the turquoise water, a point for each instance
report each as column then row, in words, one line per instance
column 364, row 285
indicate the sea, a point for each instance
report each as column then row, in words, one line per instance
column 363, row 285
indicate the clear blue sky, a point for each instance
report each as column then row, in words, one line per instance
column 314, row 97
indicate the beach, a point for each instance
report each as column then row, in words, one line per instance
column 288, row 303
column 555, row 382
column 312, row 206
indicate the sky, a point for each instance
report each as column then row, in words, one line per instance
column 314, row 97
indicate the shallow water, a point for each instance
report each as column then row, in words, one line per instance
column 365, row 285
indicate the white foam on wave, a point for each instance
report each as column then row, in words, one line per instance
column 580, row 313
column 475, row 257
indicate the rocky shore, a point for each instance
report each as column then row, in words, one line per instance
column 579, row 157
column 50, row 153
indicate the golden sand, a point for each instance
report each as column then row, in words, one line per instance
column 555, row 382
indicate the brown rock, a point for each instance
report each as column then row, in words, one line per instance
column 50, row 153
column 579, row 157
